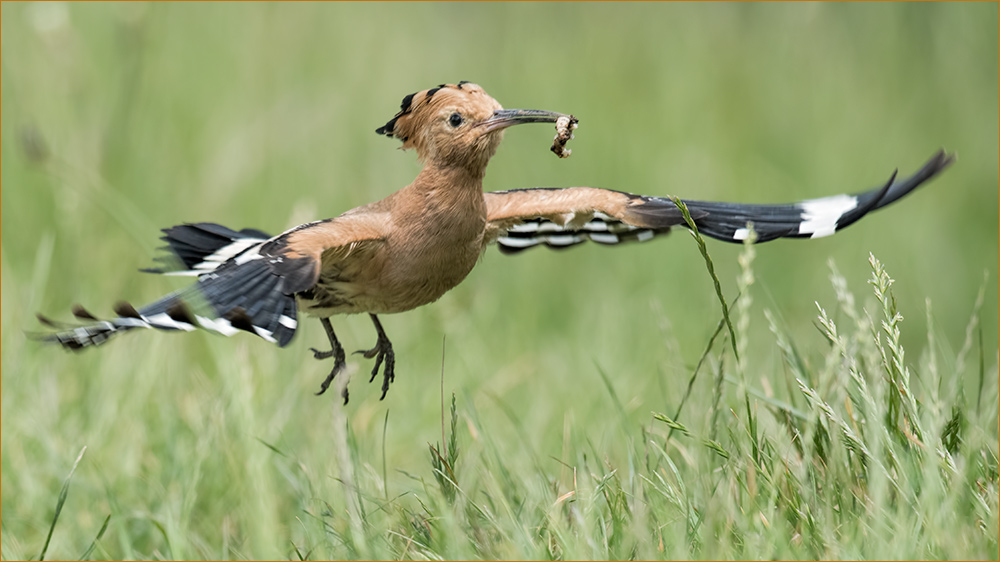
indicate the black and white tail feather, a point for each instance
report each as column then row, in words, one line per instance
column 814, row 218
column 236, row 290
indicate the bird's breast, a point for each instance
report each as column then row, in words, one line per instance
column 433, row 256
column 427, row 251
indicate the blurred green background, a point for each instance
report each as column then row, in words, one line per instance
column 120, row 119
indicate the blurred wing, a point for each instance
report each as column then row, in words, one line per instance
column 559, row 218
column 197, row 248
column 246, row 281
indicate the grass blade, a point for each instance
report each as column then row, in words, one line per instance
column 100, row 534
column 711, row 270
column 697, row 368
column 59, row 504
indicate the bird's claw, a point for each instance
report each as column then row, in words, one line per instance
column 337, row 368
column 382, row 352
column 339, row 364
column 317, row 354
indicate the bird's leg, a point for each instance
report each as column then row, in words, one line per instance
column 382, row 352
column 337, row 352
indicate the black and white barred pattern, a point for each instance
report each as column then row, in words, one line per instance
column 236, row 291
column 813, row 218
column 601, row 228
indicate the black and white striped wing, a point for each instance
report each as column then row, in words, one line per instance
column 560, row 218
column 237, row 290
column 198, row 248
column 595, row 226
column 246, row 281
column 813, row 218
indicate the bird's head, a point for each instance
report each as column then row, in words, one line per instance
column 457, row 124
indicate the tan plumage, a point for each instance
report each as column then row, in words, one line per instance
column 570, row 207
column 410, row 248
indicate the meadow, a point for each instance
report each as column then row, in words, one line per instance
column 583, row 404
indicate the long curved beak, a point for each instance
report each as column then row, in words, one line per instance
column 503, row 118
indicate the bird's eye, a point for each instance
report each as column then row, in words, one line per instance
column 455, row 120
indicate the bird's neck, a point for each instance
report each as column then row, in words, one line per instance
column 449, row 180
column 449, row 197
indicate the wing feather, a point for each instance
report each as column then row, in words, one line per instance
column 559, row 218
column 299, row 255
column 246, row 281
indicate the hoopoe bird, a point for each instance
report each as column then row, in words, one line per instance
column 410, row 248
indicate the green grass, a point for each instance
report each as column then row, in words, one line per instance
column 591, row 404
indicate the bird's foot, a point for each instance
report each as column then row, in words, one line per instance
column 382, row 352
column 339, row 364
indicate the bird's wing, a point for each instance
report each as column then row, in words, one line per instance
column 300, row 254
column 296, row 255
column 560, row 218
column 563, row 217
column 196, row 248
column 246, row 280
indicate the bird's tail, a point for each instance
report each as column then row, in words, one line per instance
column 236, row 290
